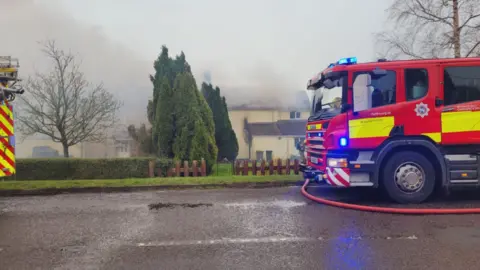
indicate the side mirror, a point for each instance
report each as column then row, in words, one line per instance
column 310, row 95
column 329, row 84
column 438, row 102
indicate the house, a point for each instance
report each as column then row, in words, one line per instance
column 122, row 143
column 269, row 132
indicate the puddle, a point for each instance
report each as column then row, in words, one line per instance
column 155, row 206
column 283, row 204
column 459, row 235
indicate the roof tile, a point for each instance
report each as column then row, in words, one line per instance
column 294, row 127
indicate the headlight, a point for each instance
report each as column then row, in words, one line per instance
column 337, row 162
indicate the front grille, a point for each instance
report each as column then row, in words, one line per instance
column 314, row 148
column 315, row 139
column 316, row 158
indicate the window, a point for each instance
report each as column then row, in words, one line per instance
column 416, row 83
column 259, row 155
column 461, row 84
column 269, row 155
column 122, row 147
column 294, row 115
column 374, row 90
column 330, row 98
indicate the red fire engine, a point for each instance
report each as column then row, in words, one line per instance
column 405, row 126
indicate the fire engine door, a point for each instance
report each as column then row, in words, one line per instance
column 373, row 97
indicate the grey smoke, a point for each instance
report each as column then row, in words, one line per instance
column 260, row 85
column 264, row 59
column 207, row 77
column 122, row 71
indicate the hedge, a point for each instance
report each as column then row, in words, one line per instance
column 76, row 168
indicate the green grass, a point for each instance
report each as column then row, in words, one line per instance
column 60, row 184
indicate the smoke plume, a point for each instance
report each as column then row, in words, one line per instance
column 124, row 73
column 207, row 77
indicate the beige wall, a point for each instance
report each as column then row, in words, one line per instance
column 256, row 116
column 281, row 147
column 286, row 115
column 237, row 118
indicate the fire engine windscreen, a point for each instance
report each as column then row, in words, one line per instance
column 326, row 99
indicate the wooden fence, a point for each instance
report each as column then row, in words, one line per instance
column 246, row 166
column 197, row 169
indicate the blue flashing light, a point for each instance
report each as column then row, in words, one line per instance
column 315, row 134
column 347, row 61
column 343, row 142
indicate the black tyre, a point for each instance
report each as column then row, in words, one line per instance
column 408, row 177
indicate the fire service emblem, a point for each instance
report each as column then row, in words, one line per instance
column 422, row 109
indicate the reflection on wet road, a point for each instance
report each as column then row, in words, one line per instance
column 230, row 229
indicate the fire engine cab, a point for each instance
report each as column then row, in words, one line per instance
column 407, row 126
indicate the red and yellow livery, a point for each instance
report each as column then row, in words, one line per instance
column 7, row 141
column 407, row 126
column 8, row 89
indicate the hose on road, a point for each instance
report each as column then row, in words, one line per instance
column 406, row 211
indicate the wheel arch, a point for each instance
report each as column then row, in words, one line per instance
column 422, row 145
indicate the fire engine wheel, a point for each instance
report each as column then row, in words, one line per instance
column 409, row 177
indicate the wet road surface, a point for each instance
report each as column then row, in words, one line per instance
column 228, row 229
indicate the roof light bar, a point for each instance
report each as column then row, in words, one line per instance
column 347, row 61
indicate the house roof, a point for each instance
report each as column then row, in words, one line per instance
column 280, row 128
column 121, row 134
column 264, row 129
column 292, row 127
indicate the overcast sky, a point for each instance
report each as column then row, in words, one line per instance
column 253, row 49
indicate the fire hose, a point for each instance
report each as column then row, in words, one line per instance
column 405, row 211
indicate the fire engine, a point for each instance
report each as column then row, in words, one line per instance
column 9, row 87
column 409, row 127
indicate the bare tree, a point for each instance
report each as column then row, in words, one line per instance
column 63, row 105
column 432, row 29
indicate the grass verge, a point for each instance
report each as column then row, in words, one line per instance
column 138, row 182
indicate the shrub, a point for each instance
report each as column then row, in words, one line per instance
column 76, row 168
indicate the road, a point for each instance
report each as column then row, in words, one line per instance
column 227, row 229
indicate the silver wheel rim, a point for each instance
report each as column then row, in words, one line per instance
column 409, row 177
